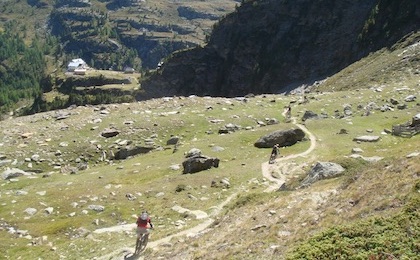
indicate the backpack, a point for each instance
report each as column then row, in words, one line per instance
column 144, row 216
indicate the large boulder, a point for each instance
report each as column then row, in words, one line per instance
column 199, row 163
column 281, row 137
column 11, row 173
column 110, row 132
column 173, row 140
column 125, row 152
column 322, row 170
column 309, row 115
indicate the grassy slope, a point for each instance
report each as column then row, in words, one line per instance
column 367, row 189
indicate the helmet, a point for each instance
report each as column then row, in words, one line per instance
column 144, row 215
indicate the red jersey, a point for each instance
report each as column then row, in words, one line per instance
column 143, row 223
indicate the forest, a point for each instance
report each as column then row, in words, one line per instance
column 22, row 68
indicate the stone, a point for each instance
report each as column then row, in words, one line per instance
column 97, row 208
column 356, row 150
column 199, row 163
column 11, row 173
column 322, row 170
column 31, row 211
column 271, row 121
column 193, row 152
column 110, row 132
column 125, row 152
column 49, row 210
column 410, row 98
column 368, row 159
column 21, row 193
column 229, row 128
column 413, row 155
column 175, row 167
column 367, row 138
column 173, row 140
column 309, row 115
column 281, row 137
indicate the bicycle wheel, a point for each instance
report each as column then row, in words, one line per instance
column 138, row 246
column 144, row 241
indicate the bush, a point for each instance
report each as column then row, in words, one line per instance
column 394, row 237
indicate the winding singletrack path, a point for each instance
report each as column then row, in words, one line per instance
column 266, row 168
column 127, row 252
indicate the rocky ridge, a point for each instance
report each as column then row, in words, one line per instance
column 275, row 46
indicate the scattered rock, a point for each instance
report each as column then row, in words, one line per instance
column 271, row 121
column 110, row 132
column 130, row 196
column 21, row 193
column 322, row 170
column 343, row 131
column 367, row 138
column 347, row 110
column 173, row 140
column 125, row 152
column 49, row 210
column 309, row 115
column 223, row 183
column 412, row 155
column 11, row 173
column 356, row 150
column 175, row 167
column 26, row 135
column 193, row 152
column 97, row 208
column 258, row 227
column 217, row 149
column 229, row 128
column 368, row 159
column 31, row 211
column 410, row 98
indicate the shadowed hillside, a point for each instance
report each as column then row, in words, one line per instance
column 274, row 46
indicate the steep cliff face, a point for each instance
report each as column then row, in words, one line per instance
column 270, row 46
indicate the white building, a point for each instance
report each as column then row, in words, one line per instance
column 76, row 64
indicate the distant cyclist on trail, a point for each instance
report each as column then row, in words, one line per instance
column 274, row 154
column 143, row 224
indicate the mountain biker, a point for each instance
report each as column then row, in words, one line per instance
column 143, row 224
column 274, row 153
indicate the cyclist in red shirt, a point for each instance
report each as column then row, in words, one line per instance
column 143, row 224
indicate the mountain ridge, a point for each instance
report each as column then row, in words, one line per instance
column 265, row 46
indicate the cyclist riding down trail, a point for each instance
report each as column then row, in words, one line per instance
column 143, row 224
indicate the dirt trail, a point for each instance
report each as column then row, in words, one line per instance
column 127, row 252
column 267, row 168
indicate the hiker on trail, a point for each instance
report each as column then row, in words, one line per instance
column 274, row 153
column 144, row 223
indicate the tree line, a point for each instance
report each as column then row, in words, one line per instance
column 21, row 68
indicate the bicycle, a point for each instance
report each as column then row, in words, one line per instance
column 272, row 159
column 141, row 243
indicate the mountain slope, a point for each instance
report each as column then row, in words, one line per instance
column 273, row 46
column 74, row 196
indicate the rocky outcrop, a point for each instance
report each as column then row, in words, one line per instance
column 322, row 170
column 272, row 46
column 199, row 163
column 281, row 137
column 12, row 173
